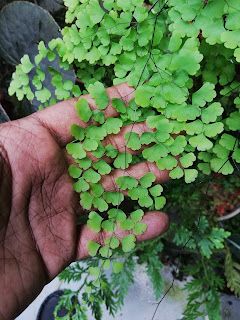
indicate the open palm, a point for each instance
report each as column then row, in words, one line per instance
column 38, row 208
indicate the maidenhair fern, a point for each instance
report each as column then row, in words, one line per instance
column 181, row 58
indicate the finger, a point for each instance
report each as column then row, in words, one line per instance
column 157, row 223
column 136, row 171
column 59, row 118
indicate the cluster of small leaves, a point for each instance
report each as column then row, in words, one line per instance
column 43, row 78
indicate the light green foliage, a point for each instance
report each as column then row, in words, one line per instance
column 83, row 110
column 123, row 160
column 98, row 92
column 126, row 183
column 94, row 221
column 76, row 150
column 147, row 180
column 133, row 140
column 128, row 243
column 182, row 61
column 74, row 171
column 112, row 125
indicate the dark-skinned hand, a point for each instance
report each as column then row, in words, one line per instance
column 38, row 207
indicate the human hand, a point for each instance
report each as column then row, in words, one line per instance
column 38, row 207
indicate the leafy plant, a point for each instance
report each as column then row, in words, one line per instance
column 182, row 59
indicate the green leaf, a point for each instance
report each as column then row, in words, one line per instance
column 236, row 155
column 100, row 204
column 84, row 163
column 117, row 266
column 77, row 132
column 178, row 145
column 115, row 198
column 94, row 132
column 147, row 138
column 26, row 66
column 205, row 94
column 128, row 243
column 83, row 110
column 194, row 127
column 111, row 152
column 175, row 42
column 221, row 166
column 122, row 161
column 159, row 202
column 43, row 95
column 140, row 14
column 112, row 125
column 76, row 150
column 233, row 121
column 97, row 189
column 190, row 175
column 187, row 160
column 155, row 152
column 93, row 248
column 117, row 214
column 156, row 190
column 138, row 193
column 94, row 271
column 105, row 252
column 213, row 129
column 102, row 167
column 187, row 58
column 90, row 145
column 228, row 141
column 126, row 182
column 212, row 112
column 205, row 168
column 231, row 39
column 143, row 95
column 137, row 215
column 147, row 180
column 133, row 141
column 106, row 264
column 98, row 116
column 91, row 176
column 201, row 142
column 81, row 185
column 74, row 171
column 127, row 224
column 139, row 228
column 167, row 163
column 99, row 94
column 108, row 226
column 119, row 105
column 99, row 152
column 94, row 221
column 113, row 242
column 145, row 201
column 176, row 173
column 164, row 128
